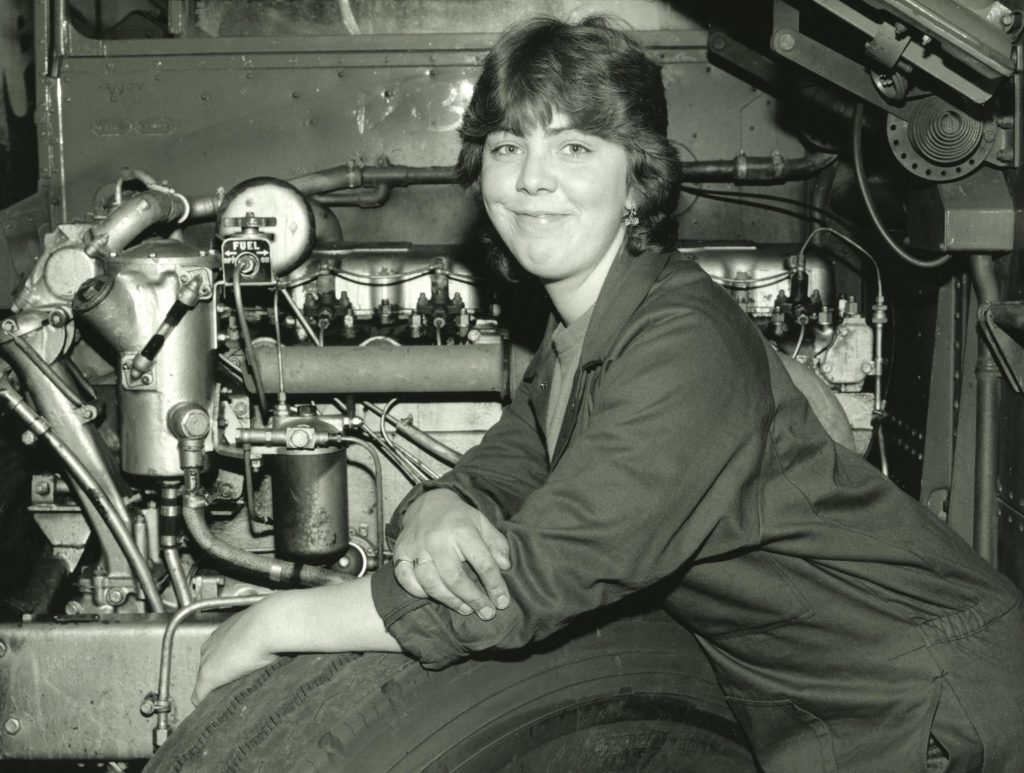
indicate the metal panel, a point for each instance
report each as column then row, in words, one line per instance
column 204, row 113
column 72, row 688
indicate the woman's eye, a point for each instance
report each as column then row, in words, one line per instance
column 576, row 149
column 504, row 149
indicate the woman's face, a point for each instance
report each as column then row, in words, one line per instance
column 557, row 198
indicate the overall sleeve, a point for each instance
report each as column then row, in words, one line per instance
column 662, row 472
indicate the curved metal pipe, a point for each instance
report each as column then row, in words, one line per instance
column 370, row 186
column 986, row 438
column 162, row 704
column 410, row 432
column 85, row 443
column 113, row 512
column 131, row 218
column 193, row 510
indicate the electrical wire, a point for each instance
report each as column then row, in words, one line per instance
column 753, row 284
column 869, row 204
column 282, row 396
column 738, row 198
column 826, row 230
column 250, row 354
column 740, row 194
column 800, row 339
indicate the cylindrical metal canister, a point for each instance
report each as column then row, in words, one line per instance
column 310, row 504
column 126, row 306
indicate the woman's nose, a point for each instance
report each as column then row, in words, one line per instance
column 535, row 174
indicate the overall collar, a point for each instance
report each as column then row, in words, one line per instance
column 628, row 283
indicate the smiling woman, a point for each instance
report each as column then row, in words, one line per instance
column 558, row 199
column 658, row 451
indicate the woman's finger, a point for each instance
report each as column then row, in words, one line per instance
column 480, row 557
column 406, row 576
column 431, row 582
column 453, row 574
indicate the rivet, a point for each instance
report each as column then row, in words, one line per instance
column 12, row 726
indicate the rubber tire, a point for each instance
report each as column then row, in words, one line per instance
column 635, row 695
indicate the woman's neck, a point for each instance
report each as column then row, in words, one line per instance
column 572, row 296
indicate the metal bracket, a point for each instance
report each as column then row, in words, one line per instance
column 882, row 46
column 1002, row 323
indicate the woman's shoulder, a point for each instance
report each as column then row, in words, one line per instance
column 684, row 286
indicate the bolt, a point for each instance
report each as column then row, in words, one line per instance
column 1005, row 122
column 1007, row 20
column 115, row 596
column 28, row 437
column 1006, row 154
column 718, row 42
column 147, row 708
column 990, row 135
column 925, row 40
column 9, row 326
column 241, row 409
column 785, row 41
column 196, row 424
column 12, row 726
column 42, row 488
column 57, row 318
column 73, row 608
column 147, row 378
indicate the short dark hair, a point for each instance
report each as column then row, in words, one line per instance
column 599, row 76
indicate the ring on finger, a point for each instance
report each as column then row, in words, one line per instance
column 422, row 560
column 398, row 561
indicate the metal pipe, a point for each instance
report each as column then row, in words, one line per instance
column 113, row 512
column 410, row 432
column 387, row 369
column 775, row 168
column 163, row 704
column 378, row 486
column 986, row 438
column 172, row 560
column 134, row 216
column 193, row 510
column 47, row 370
column 85, row 443
column 370, row 186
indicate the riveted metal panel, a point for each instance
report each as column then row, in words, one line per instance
column 72, row 689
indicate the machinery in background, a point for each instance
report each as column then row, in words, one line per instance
column 208, row 382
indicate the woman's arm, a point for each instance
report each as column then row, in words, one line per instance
column 333, row 618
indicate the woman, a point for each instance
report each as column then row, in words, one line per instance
column 848, row 627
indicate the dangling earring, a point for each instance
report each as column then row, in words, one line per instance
column 630, row 218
